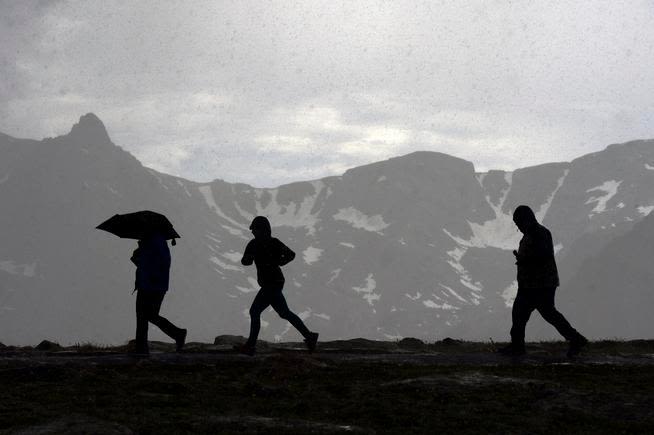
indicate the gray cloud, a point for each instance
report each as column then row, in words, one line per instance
column 267, row 93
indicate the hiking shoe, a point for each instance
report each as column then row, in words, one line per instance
column 181, row 340
column 245, row 349
column 512, row 350
column 576, row 345
column 311, row 341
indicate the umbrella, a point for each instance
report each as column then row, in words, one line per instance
column 139, row 225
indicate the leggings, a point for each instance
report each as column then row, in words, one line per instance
column 272, row 296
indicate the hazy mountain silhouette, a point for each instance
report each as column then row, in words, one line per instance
column 418, row 245
column 620, row 275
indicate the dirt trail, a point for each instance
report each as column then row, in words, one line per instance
column 451, row 358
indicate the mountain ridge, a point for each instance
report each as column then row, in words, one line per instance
column 417, row 245
column 90, row 122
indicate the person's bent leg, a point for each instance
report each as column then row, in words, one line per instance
column 161, row 322
column 279, row 304
column 520, row 313
column 260, row 303
column 549, row 312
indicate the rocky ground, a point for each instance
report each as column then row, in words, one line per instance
column 356, row 386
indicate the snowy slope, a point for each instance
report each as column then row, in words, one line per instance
column 418, row 245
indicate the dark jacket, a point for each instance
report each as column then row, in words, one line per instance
column 535, row 259
column 152, row 259
column 268, row 254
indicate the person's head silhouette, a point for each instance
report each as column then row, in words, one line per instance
column 524, row 218
column 260, row 227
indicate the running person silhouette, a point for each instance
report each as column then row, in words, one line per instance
column 268, row 254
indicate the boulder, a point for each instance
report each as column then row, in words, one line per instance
column 411, row 343
column 48, row 346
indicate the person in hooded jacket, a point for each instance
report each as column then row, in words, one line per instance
column 152, row 260
column 538, row 279
column 269, row 254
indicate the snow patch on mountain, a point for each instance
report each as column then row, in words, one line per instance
column 311, row 254
column 509, row 293
column 207, row 193
column 254, row 286
column 112, row 190
column 645, row 210
column 233, row 231
column 156, row 175
column 475, row 295
column 649, row 167
column 360, row 220
column 335, row 274
column 222, row 264
column 444, row 306
column 293, row 215
column 610, row 188
column 455, row 294
column 542, row 211
column 246, row 215
column 11, row 267
column 347, row 245
column 185, row 189
column 211, row 236
column 499, row 232
column 233, row 256
column 476, row 287
column 456, row 255
column 368, row 290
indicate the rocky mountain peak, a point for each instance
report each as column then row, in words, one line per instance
column 90, row 128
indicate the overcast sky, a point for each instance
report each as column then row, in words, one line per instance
column 271, row 92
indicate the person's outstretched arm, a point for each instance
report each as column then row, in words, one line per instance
column 248, row 255
column 286, row 255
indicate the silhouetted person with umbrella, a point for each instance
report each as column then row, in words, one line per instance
column 538, row 279
column 152, row 260
column 269, row 254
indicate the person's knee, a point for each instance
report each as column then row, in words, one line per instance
column 255, row 312
column 156, row 320
column 284, row 314
column 520, row 318
column 549, row 313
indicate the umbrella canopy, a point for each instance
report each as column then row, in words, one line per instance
column 139, row 225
